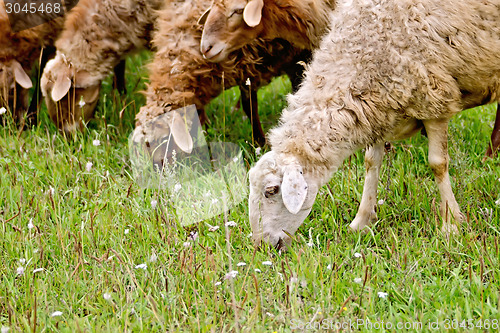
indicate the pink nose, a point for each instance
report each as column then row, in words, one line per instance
column 205, row 47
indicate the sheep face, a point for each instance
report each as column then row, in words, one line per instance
column 229, row 25
column 70, row 97
column 281, row 197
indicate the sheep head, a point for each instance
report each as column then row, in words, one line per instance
column 229, row 25
column 14, row 85
column 281, row 197
column 70, row 95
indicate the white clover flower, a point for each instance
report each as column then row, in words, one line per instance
column 294, row 279
column 310, row 244
column 247, row 82
column 193, row 235
column 2, row 110
column 51, row 191
column 381, row 202
column 218, row 283
column 231, row 224
column 126, row 231
column 106, row 296
column 267, row 263
column 88, row 166
column 154, row 203
column 187, row 244
column 141, row 266
column 382, row 294
column 41, row 269
column 96, row 142
column 231, row 275
column 358, row 280
column 258, row 151
column 357, row 255
column 177, row 187
column 241, row 264
column 22, row 261
column 20, row 270
column 497, row 202
column 4, row 329
column 56, row 314
column 214, row 201
column 257, row 270
column 30, row 224
column 153, row 257
column 213, row 228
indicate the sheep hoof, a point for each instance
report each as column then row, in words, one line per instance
column 363, row 220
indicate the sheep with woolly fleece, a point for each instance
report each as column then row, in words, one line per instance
column 180, row 76
column 19, row 52
column 386, row 69
column 231, row 24
column 97, row 35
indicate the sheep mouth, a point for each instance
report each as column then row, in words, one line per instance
column 216, row 54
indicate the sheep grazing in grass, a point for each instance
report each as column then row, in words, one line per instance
column 19, row 52
column 180, row 76
column 231, row 24
column 386, row 69
column 97, row 35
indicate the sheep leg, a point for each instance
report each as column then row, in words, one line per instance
column 251, row 108
column 119, row 78
column 366, row 212
column 495, row 137
column 437, row 132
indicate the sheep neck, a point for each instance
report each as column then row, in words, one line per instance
column 302, row 23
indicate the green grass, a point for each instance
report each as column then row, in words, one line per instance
column 91, row 229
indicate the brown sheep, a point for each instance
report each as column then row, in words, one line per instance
column 97, row 35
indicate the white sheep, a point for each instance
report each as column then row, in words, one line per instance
column 231, row 24
column 180, row 76
column 386, row 69
column 97, row 35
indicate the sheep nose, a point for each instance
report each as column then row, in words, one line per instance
column 205, row 47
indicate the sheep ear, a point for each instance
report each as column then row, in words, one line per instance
column 293, row 188
column 61, row 87
column 253, row 12
column 20, row 75
column 203, row 17
column 180, row 133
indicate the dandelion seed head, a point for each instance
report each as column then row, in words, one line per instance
column 106, row 296
column 381, row 202
column 96, row 142
column 126, row 231
column 88, row 166
column 358, row 280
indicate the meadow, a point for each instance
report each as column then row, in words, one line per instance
column 83, row 248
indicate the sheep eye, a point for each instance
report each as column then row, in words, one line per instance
column 271, row 190
column 238, row 11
